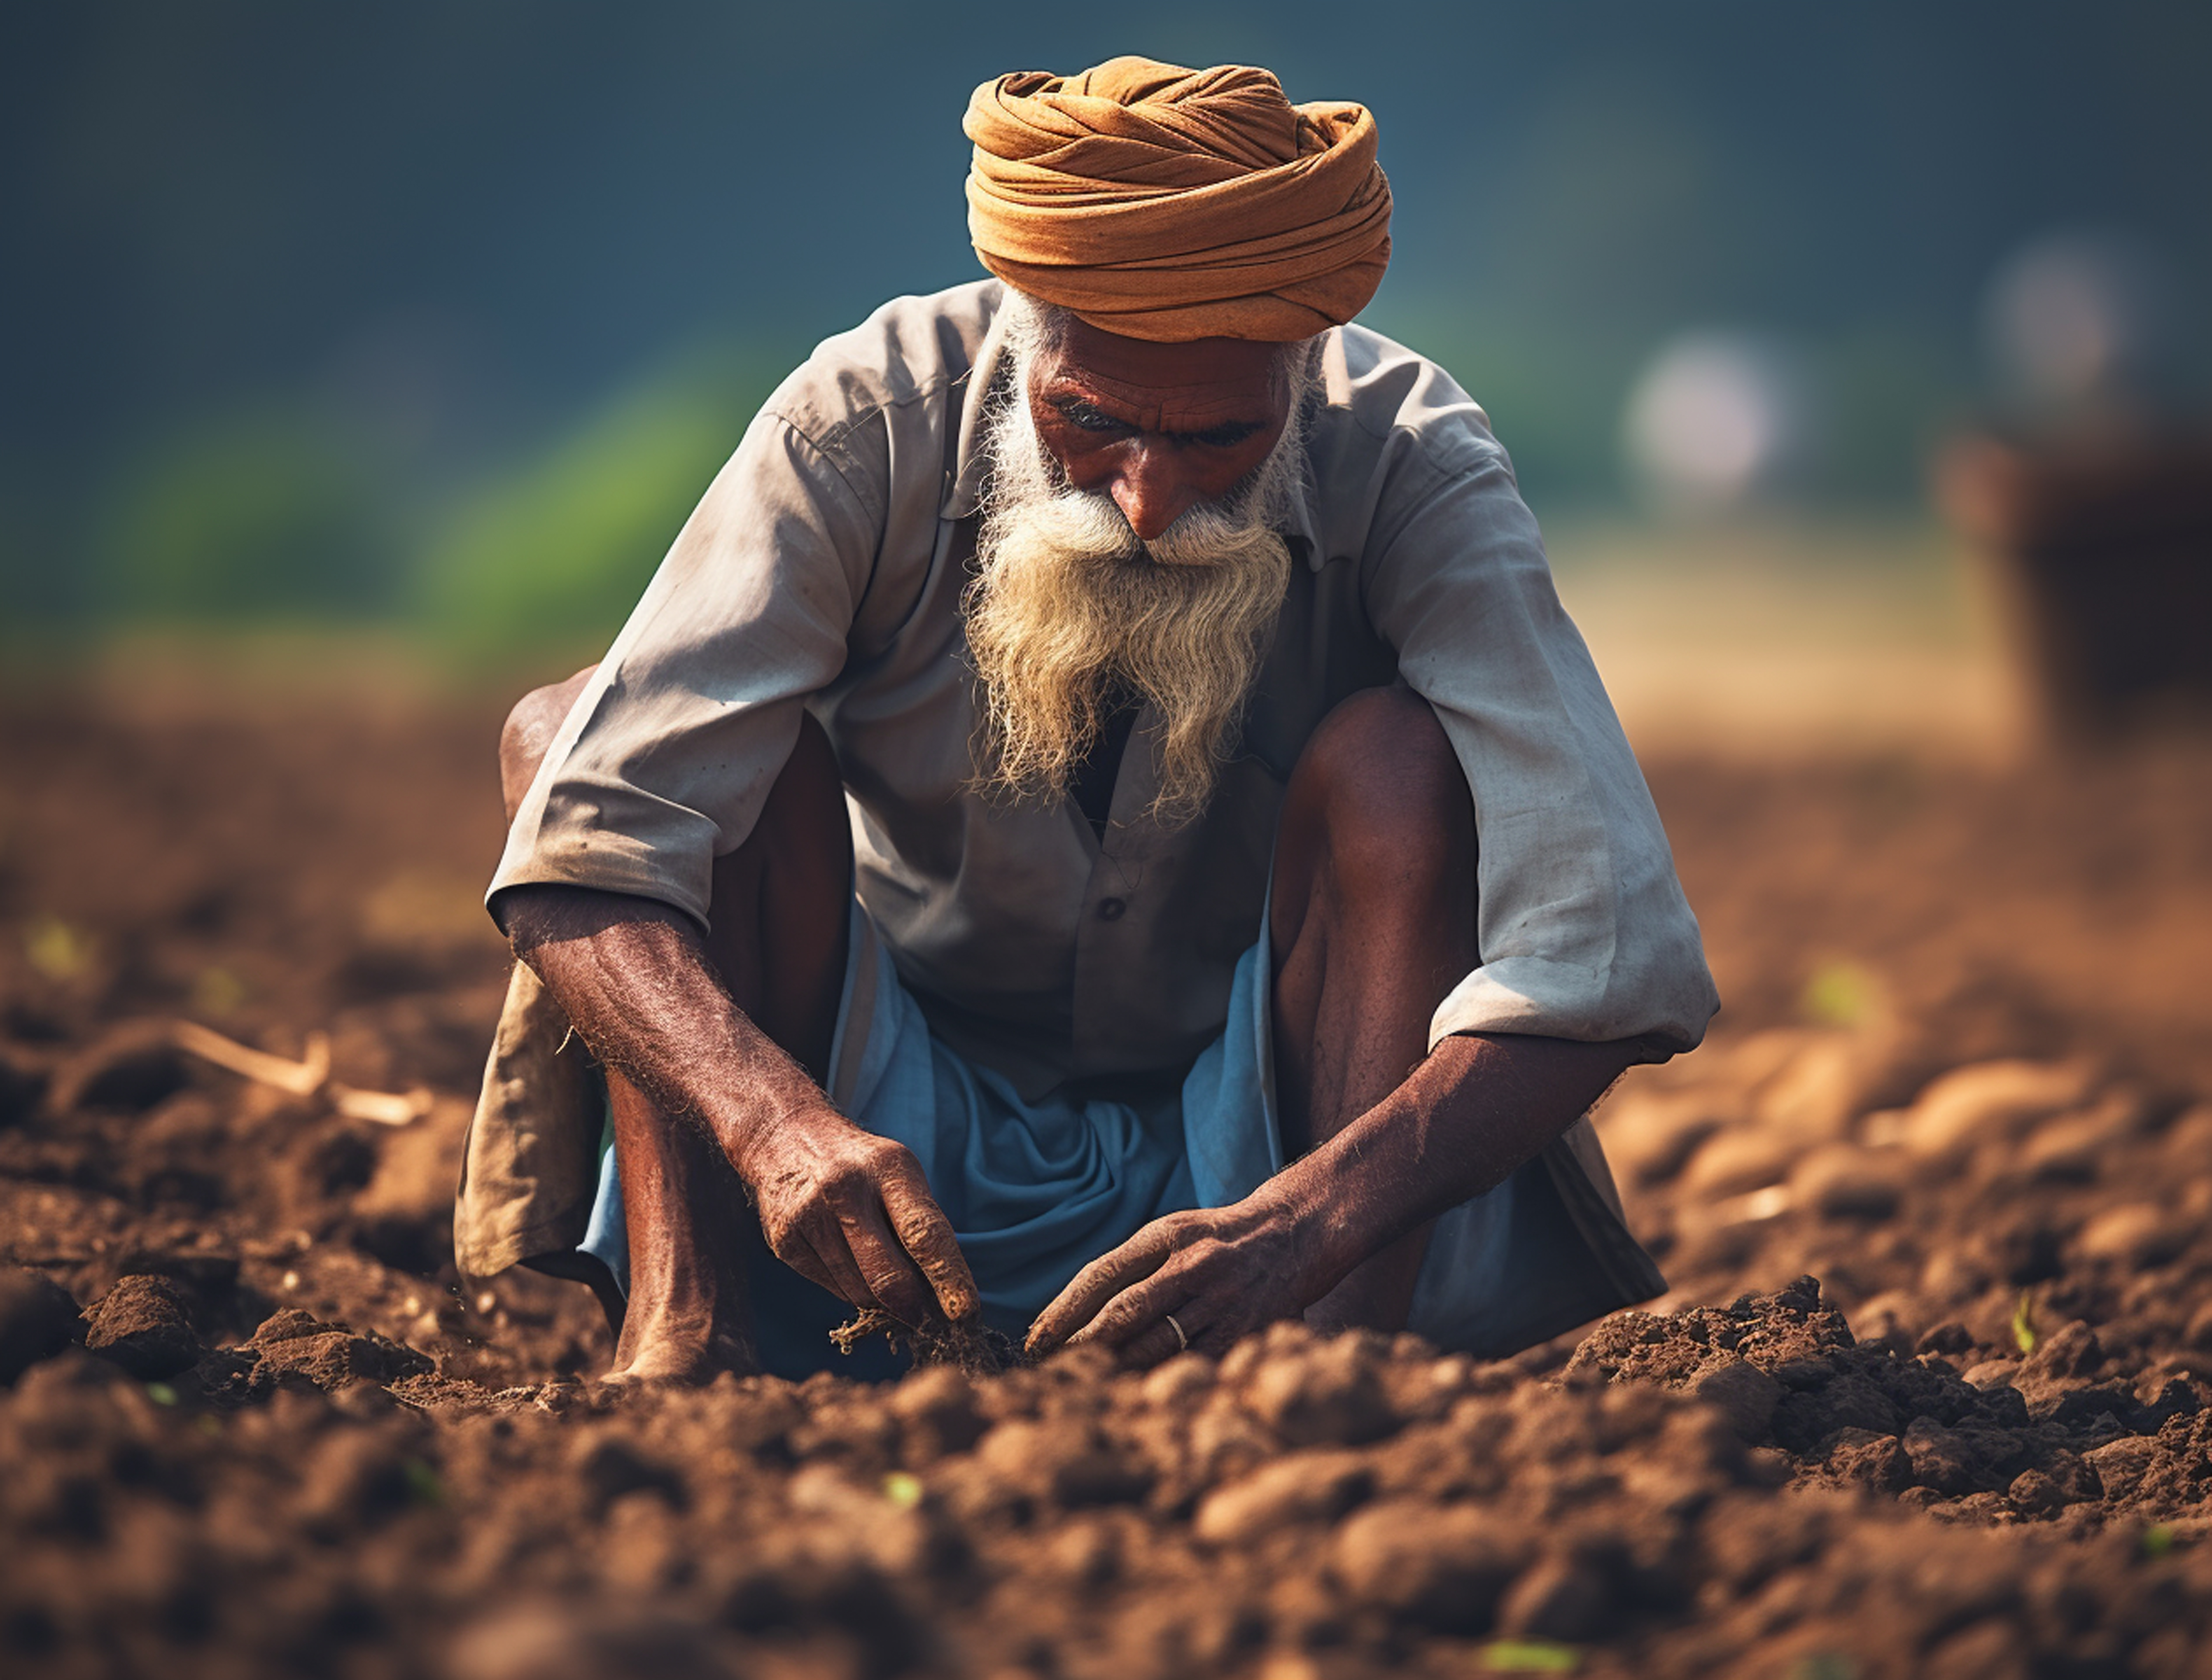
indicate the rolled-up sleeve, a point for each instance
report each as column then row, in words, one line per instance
column 666, row 757
column 1582, row 928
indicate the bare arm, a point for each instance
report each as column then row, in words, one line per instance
column 1476, row 1108
column 840, row 1205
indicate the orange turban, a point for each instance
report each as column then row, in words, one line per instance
column 1169, row 205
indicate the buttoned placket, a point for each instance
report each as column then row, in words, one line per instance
column 1118, row 912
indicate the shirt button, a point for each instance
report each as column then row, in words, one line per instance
column 1109, row 910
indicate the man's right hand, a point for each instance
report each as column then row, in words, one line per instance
column 852, row 1212
column 841, row 1207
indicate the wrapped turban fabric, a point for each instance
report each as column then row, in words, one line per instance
column 1169, row 204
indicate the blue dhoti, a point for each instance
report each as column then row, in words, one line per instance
column 1035, row 1189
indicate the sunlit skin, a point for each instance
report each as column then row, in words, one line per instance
column 1372, row 920
column 1161, row 428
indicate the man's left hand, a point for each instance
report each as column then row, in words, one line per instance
column 1220, row 1272
column 1476, row 1107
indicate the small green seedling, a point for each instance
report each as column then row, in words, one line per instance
column 2157, row 1541
column 1840, row 994
column 218, row 992
column 1528, row 1656
column 423, row 1483
column 903, row 1489
column 57, row 950
column 2023, row 1323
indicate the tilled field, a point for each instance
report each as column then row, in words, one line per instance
column 1932, row 1394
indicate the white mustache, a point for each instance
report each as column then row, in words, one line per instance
column 1208, row 533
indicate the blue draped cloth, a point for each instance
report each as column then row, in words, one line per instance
column 1035, row 1189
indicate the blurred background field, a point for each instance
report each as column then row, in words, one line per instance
column 419, row 330
column 1784, row 633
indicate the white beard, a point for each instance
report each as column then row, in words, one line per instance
column 1069, row 603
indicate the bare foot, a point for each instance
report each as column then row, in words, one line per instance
column 686, row 1320
column 677, row 1357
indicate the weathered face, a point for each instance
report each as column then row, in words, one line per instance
column 1160, row 428
column 1132, row 542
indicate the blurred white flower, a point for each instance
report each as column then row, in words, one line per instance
column 2080, row 327
column 1715, row 419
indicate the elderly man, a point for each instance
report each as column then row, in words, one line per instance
column 1100, row 821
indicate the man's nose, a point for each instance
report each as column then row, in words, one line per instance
column 1151, row 489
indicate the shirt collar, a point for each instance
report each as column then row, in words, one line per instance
column 969, row 472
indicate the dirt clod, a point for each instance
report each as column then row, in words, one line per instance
column 37, row 1317
column 1438, row 1567
column 145, row 1325
column 1928, row 1394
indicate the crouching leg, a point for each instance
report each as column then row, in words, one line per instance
column 778, row 908
column 1372, row 922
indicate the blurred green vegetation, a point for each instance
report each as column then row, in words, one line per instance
column 263, row 514
column 557, row 548
column 278, row 514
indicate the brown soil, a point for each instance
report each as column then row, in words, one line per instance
column 1960, row 1082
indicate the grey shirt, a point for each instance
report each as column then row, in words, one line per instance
column 824, row 569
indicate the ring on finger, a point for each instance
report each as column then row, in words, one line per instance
column 1183, row 1339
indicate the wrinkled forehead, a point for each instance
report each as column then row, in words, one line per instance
column 1191, row 386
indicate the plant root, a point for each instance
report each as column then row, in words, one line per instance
column 969, row 1347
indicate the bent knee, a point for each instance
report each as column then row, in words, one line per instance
column 528, row 732
column 1382, row 781
column 804, row 814
column 1383, row 743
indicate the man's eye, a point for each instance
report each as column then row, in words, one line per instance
column 1083, row 417
column 1221, row 437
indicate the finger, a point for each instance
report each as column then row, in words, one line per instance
column 792, row 1248
column 1154, row 1345
column 841, row 1276
column 1098, row 1284
column 927, row 1236
column 1136, row 1310
column 1096, row 1289
column 884, row 1268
